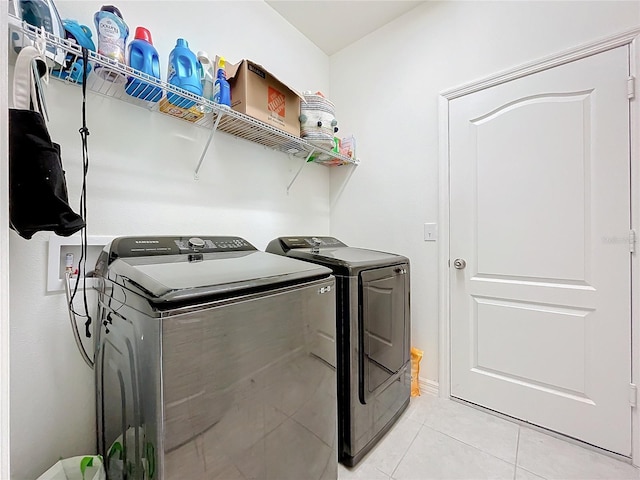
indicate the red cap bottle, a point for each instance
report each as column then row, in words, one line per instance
column 143, row 34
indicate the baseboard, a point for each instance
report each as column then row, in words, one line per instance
column 429, row 386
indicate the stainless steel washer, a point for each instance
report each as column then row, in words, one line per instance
column 373, row 328
column 214, row 361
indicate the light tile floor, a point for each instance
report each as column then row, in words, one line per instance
column 441, row 439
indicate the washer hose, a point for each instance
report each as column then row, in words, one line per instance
column 74, row 323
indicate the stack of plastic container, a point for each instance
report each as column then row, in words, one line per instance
column 318, row 123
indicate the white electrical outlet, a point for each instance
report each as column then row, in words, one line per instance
column 430, row 232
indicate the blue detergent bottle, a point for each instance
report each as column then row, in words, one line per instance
column 222, row 90
column 184, row 73
column 143, row 56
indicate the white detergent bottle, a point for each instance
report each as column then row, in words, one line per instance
column 206, row 79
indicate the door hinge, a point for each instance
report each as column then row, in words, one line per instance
column 632, row 241
column 631, row 87
column 633, row 395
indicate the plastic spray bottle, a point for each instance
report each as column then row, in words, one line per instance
column 222, row 90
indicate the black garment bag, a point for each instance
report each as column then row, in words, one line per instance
column 38, row 198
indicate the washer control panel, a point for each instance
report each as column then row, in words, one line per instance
column 167, row 245
column 212, row 244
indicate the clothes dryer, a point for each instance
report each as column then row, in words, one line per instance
column 213, row 361
column 373, row 336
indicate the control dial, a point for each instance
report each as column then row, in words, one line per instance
column 196, row 242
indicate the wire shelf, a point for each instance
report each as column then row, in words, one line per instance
column 112, row 79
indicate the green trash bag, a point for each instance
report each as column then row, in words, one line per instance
column 87, row 467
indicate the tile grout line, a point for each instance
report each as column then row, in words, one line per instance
column 405, row 452
column 515, row 465
column 501, row 418
column 470, row 444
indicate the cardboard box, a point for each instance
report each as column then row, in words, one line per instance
column 259, row 94
column 191, row 114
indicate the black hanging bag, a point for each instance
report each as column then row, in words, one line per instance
column 38, row 198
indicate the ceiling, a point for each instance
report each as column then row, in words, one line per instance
column 349, row 20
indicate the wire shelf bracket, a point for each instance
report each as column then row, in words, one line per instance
column 299, row 170
column 206, row 146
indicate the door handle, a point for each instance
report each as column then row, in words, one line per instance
column 459, row 263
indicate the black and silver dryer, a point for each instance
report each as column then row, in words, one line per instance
column 214, row 360
column 373, row 336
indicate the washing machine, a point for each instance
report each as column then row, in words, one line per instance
column 373, row 336
column 214, row 360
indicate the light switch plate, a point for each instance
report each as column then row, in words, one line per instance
column 430, row 232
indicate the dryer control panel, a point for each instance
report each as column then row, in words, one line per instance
column 289, row 243
column 168, row 245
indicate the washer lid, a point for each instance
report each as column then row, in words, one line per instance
column 348, row 260
column 333, row 253
column 185, row 279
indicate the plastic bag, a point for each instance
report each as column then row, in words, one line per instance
column 88, row 467
column 416, row 356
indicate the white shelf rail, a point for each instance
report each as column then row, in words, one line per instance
column 112, row 83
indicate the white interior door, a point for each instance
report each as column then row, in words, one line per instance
column 540, row 213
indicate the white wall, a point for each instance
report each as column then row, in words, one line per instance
column 386, row 90
column 141, row 181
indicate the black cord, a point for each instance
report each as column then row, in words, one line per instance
column 82, row 264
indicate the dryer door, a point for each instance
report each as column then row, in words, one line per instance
column 384, row 327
